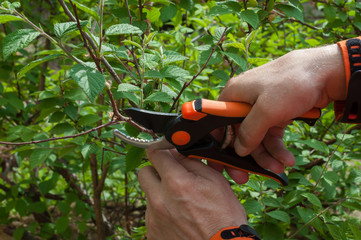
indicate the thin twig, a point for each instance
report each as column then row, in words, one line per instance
column 86, row 45
column 109, row 68
column 60, row 138
column 318, row 215
column 295, row 20
column 186, row 84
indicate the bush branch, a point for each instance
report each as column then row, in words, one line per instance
column 186, row 84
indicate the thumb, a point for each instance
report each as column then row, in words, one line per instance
column 253, row 129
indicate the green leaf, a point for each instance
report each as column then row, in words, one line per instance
column 272, row 231
column 86, row 9
column 225, row 8
column 89, row 80
column 336, row 232
column 35, row 63
column 63, row 129
column 315, row 144
column 186, row 4
column 168, row 12
column 153, row 15
column 215, row 58
column 291, row 11
column 171, row 56
column 4, row 18
column 123, row 28
column 172, row 71
column 239, row 60
column 330, row 12
column 252, row 206
column 61, row 29
column 18, row 233
column 159, row 97
column 250, row 17
column 38, row 156
column 313, row 199
column 62, row 224
column 134, row 158
column 126, row 87
column 280, row 215
column 18, row 40
column 89, row 119
column 355, row 231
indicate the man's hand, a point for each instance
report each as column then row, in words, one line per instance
column 186, row 199
column 280, row 91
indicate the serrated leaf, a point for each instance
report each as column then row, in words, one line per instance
column 134, row 158
column 4, row 18
column 313, row 199
column 252, row 206
column 126, row 87
column 280, row 215
column 61, row 29
column 239, row 60
column 89, row 80
column 171, row 56
column 172, row 71
column 18, row 40
column 35, row 63
column 159, row 97
column 291, row 11
column 225, row 8
column 315, row 144
column 215, row 58
column 336, row 232
column 38, row 156
column 86, row 9
column 123, row 28
column 250, row 17
column 153, row 74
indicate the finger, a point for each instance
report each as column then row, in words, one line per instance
column 253, row 129
column 149, row 180
column 164, row 163
column 266, row 160
column 273, row 143
column 216, row 166
column 240, row 177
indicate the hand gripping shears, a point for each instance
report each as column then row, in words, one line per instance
column 189, row 132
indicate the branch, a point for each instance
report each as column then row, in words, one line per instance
column 109, row 68
column 186, row 84
column 97, row 62
column 295, row 20
column 59, row 138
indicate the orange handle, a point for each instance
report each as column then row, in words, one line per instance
column 199, row 108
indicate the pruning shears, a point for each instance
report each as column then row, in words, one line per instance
column 189, row 132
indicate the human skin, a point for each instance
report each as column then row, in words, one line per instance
column 186, row 199
column 280, row 91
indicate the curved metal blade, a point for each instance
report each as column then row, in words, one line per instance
column 159, row 143
column 155, row 121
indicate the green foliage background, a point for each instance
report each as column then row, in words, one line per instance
column 64, row 176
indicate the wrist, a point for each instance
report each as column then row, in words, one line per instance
column 334, row 74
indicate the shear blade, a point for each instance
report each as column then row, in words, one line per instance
column 159, row 143
column 155, row 121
